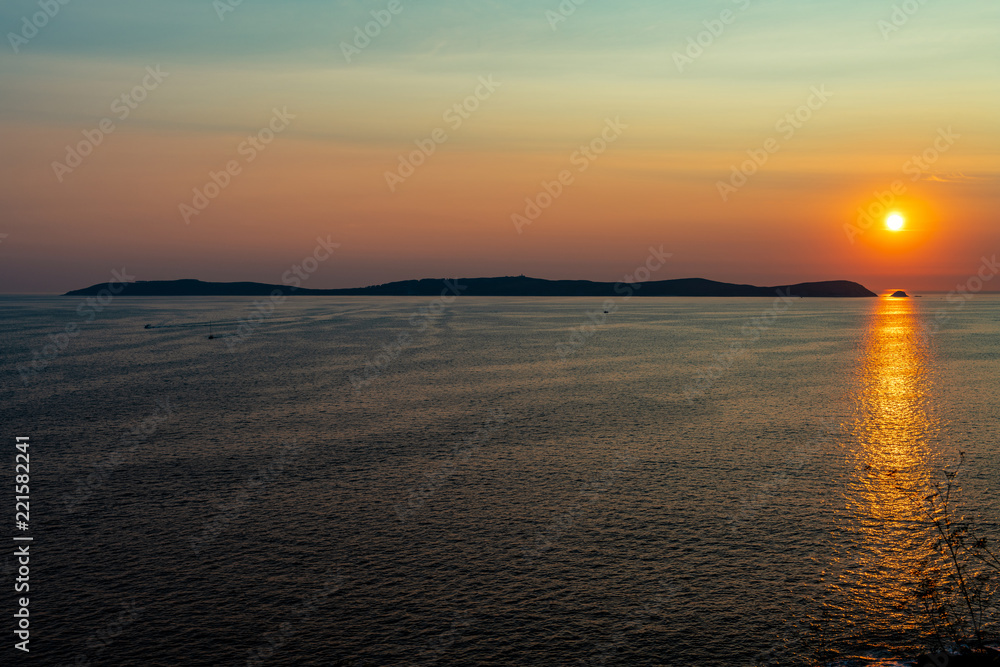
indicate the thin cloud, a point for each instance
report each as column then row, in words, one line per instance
column 958, row 177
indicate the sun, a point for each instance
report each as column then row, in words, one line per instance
column 895, row 222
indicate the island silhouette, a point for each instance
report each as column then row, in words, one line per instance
column 502, row 286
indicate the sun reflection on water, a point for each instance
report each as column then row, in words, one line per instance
column 889, row 453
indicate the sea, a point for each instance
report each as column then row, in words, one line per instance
column 365, row 481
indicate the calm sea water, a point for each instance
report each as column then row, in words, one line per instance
column 361, row 481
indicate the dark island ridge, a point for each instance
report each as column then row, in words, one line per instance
column 504, row 286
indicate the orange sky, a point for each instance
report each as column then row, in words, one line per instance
column 657, row 183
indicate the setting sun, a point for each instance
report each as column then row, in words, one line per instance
column 895, row 222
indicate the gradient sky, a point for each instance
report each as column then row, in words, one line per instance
column 324, row 176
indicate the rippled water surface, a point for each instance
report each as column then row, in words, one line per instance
column 387, row 481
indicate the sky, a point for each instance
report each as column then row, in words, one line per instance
column 223, row 140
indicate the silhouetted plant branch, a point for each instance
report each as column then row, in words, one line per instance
column 958, row 578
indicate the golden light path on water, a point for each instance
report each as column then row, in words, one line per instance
column 890, row 455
